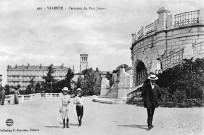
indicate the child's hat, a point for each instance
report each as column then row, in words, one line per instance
column 79, row 89
column 65, row 89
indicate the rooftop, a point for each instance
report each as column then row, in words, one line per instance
column 36, row 67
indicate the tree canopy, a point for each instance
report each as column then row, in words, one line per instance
column 49, row 80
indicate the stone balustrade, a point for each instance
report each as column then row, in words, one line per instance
column 9, row 99
column 167, row 22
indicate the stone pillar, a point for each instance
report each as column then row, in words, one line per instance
column 201, row 16
column 161, row 25
column 125, row 84
column 156, row 66
column 133, row 38
column 188, row 51
column 104, row 86
column 169, row 24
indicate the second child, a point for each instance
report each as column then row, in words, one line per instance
column 79, row 101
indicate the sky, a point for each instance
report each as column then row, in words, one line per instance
column 28, row 35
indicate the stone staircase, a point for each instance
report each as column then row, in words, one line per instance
column 113, row 92
column 106, row 100
column 198, row 49
column 172, row 59
column 177, row 57
column 141, row 77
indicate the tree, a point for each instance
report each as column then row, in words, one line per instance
column 31, row 85
column 49, row 80
column 91, row 82
column 1, row 88
column 18, row 87
column 58, row 86
column 38, row 88
column 97, row 86
column 28, row 90
column 79, row 82
column 68, row 78
column 122, row 66
column 108, row 76
column 7, row 89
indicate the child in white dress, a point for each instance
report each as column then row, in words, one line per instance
column 79, row 101
column 64, row 108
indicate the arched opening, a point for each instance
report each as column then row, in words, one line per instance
column 140, row 72
column 140, row 66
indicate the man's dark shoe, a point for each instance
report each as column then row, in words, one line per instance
column 152, row 126
column 79, row 123
column 149, row 127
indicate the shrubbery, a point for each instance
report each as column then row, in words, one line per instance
column 183, row 85
column 135, row 101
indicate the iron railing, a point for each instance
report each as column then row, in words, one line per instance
column 172, row 60
column 198, row 48
column 140, row 33
column 186, row 18
column 149, row 28
column 141, row 77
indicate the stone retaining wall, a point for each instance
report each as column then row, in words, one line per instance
column 164, row 38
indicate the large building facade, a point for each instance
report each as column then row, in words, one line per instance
column 166, row 42
column 22, row 75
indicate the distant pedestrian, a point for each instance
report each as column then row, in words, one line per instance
column 64, row 107
column 2, row 96
column 150, row 94
column 79, row 101
column 16, row 93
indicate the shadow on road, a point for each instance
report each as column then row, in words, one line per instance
column 53, row 127
column 70, row 124
column 135, row 126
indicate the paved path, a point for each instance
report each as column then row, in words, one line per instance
column 99, row 119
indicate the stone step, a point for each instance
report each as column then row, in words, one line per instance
column 112, row 94
column 109, row 100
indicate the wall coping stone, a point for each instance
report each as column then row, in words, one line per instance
column 168, row 30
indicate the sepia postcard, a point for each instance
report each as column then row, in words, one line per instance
column 101, row 67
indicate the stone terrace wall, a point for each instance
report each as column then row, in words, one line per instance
column 169, row 39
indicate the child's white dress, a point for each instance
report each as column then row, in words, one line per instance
column 65, row 106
